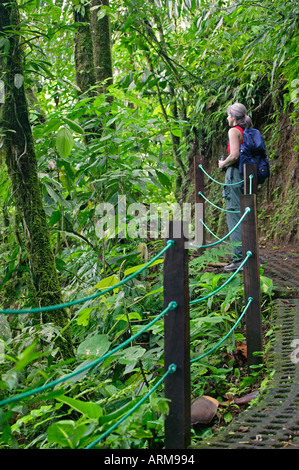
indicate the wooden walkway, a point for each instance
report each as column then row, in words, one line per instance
column 273, row 421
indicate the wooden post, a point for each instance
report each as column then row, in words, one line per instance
column 250, row 169
column 199, row 185
column 177, row 340
column 251, row 274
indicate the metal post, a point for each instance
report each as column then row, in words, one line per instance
column 177, row 340
column 251, row 274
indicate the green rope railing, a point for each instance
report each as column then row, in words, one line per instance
column 226, row 236
column 250, row 183
column 169, row 244
column 217, row 207
column 248, row 255
column 171, row 370
column 171, row 306
column 250, row 299
column 209, row 230
column 218, row 182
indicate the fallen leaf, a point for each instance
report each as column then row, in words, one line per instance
column 246, row 398
column 241, row 401
column 242, row 347
column 243, row 428
column 203, row 409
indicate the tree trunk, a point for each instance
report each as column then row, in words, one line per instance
column 102, row 45
column 84, row 64
column 22, row 168
column 84, row 61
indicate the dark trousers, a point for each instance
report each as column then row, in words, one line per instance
column 231, row 195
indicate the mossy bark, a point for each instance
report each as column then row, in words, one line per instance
column 22, row 168
column 84, row 64
column 102, row 45
column 84, row 57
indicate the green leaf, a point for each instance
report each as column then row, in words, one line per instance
column 266, row 284
column 131, row 354
column 95, row 345
column 92, row 410
column 116, row 415
column 136, row 268
column 164, row 180
column 27, row 356
column 57, row 197
column 64, row 142
column 66, row 433
column 83, row 316
column 52, row 125
column 74, row 125
column 107, row 282
column 128, row 317
column 177, row 132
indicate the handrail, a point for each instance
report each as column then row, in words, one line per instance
column 171, row 369
column 217, row 207
column 250, row 299
column 209, row 230
column 218, row 182
column 248, row 255
column 171, row 306
column 98, row 294
column 226, row 236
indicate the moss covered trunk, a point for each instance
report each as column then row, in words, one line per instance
column 84, row 61
column 22, row 168
column 102, row 44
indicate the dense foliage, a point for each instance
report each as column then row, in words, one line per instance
column 176, row 66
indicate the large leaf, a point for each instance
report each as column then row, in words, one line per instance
column 136, row 268
column 64, row 142
column 66, row 433
column 164, row 180
column 74, row 125
column 107, row 282
column 95, row 345
column 266, row 284
column 52, row 125
column 92, row 410
column 83, row 316
column 131, row 355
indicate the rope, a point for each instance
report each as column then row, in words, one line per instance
column 226, row 236
column 248, row 255
column 218, row 182
column 209, row 230
column 171, row 370
column 74, row 302
column 250, row 299
column 171, row 306
column 250, row 184
column 217, row 207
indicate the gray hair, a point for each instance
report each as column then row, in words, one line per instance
column 238, row 111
